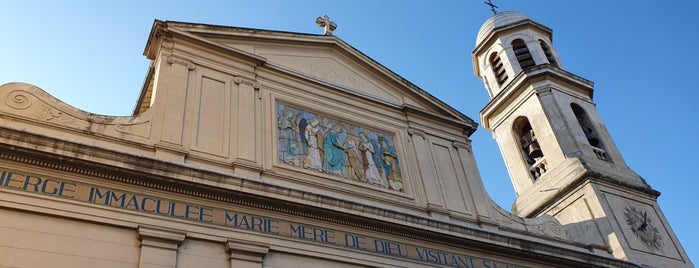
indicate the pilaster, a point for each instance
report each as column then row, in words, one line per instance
column 246, row 254
column 435, row 204
column 159, row 246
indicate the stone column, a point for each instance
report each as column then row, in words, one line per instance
column 159, row 246
column 246, row 254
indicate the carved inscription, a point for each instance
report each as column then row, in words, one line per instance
column 237, row 220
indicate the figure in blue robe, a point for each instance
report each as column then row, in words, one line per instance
column 333, row 152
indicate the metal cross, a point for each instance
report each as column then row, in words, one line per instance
column 492, row 6
column 328, row 26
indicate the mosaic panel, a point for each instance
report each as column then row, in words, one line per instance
column 324, row 144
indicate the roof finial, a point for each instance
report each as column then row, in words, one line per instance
column 492, row 6
column 328, row 26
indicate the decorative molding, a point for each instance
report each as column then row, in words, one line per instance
column 246, row 250
column 544, row 90
column 34, row 105
column 161, row 30
column 413, row 131
column 551, row 228
column 250, row 201
column 463, row 145
column 159, row 246
column 18, row 100
column 239, row 80
column 140, row 129
column 435, row 208
column 188, row 63
column 172, row 147
column 450, row 234
column 49, row 113
column 160, row 237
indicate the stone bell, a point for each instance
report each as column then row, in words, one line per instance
column 535, row 150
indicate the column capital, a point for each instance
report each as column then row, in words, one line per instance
column 160, row 237
column 185, row 62
column 246, row 250
column 463, row 144
column 414, row 131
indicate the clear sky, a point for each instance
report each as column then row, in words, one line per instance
column 641, row 54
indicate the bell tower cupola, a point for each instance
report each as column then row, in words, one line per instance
column 560, row 157
column 542, row 116
column 507, row 43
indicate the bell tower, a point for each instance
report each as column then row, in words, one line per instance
column 560, row 157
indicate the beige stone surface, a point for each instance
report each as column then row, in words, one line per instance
column 579, row 177
column 31, row 240
column 198, row 253
column 196, row 174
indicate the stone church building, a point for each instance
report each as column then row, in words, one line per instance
column 257, row 148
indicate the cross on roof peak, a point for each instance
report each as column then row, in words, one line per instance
column 328, row 26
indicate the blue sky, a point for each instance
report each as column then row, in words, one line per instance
column 641, row 55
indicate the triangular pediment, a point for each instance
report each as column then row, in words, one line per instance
column 326, row 59
column 329, row 66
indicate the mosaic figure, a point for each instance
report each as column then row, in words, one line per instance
column 354, row 165
column 323, row 144
column 390, row 164
column 288, row 137
column 333, row 152
column 371, row 173
column 312, row 135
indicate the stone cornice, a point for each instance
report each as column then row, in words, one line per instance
column 551, row 188
column 313, row 39
column 160, row 237
column 469, row 126
column 520, row 83
column 200, row 34
column 152, row 174
column 463, row 145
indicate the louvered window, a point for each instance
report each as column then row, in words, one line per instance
column 548, row 53
column 498, row 68
column 522, row 52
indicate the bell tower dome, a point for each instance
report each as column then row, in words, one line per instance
column 560, row 157
column 519, row 44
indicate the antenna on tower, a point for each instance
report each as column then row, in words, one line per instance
column 492, row 6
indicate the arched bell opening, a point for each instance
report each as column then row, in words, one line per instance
column 529, row 147
column 548, row 53
column 498, row 68
column 590, row 133
column 524, row 57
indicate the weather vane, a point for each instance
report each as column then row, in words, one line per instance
column 492, row 6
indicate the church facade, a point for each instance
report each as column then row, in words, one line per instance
column 258, row 148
